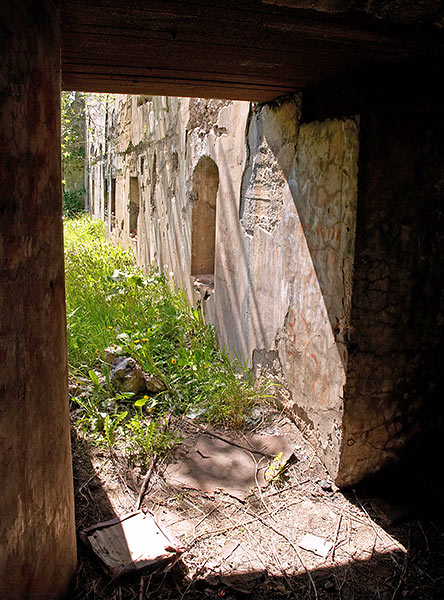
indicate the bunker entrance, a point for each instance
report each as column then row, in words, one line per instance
column 161, row 400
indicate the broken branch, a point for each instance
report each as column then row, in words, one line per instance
column 228, row 441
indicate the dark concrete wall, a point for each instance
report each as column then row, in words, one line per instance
column 37, row 535
column 393, row 395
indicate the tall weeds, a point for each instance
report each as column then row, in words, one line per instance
column 110, row 301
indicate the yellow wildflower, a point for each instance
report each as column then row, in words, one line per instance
column 173, row 361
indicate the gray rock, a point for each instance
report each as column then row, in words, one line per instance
column 111, row 353
column 127, row 376
column 325, row 485
column 154, row 383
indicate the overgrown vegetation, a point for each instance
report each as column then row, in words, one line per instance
column 110, row 301
column 73, row 202
column 81, row 114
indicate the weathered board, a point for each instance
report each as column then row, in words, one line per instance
column 131, row 543
column 241, row 51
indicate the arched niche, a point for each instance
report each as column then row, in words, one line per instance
column 203, row 236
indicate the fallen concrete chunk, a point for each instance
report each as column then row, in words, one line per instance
column 315, row 544
column 127, row 376
column 130, row 543
column 154, row 383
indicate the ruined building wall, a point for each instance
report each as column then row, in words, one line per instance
column 255, row 213
column 275, row 203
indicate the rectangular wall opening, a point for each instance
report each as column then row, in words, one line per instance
column 134, row 206
column 112, row 208
column 105, row 199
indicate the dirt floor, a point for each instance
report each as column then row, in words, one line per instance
column 247, row 545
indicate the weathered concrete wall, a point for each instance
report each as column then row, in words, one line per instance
column 280, row 290
column 319, row 238
column 393, row 397
column 283, row 281
column 37, row 535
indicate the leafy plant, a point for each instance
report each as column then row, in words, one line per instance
column 111, row 302
column 73, row 203
column 147, row 439
column 275, row 469
column 111, row 426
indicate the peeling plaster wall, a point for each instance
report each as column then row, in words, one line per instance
column 285, row 230
column 319, row 238
column 284, row 279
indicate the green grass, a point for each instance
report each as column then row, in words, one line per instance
column 111, row 301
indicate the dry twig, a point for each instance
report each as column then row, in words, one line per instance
column 146, row 481
column 296, row 551
column 335, row 541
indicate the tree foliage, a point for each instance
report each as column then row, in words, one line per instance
column 82, row 117
column 73, row 131
column 80, row 112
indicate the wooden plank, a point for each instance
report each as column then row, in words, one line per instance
column 140, row 73
column 189, row 60
column 235, row 42
column 130, row 543
column 242, row 32
column 254, row 50
column 249, row 17
column 215, row 69
column 153, row 51
column 120, row 83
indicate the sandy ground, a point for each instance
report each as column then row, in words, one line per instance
column 248, row 545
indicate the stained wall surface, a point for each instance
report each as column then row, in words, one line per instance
column 280, row 291
column 393, row 396
column 37, row 534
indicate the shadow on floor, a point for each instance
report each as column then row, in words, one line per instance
column 400, row 502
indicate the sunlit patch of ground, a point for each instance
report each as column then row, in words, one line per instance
column 250, row 548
